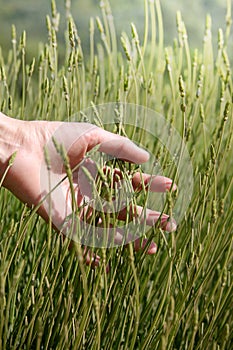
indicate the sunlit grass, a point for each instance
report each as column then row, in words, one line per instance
column 182, row 297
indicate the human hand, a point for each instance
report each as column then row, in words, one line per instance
column 30, row 180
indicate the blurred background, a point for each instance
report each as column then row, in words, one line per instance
column 30, row 15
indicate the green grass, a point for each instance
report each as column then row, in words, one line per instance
column 182, row 297
column 31, row 16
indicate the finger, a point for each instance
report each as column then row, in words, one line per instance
column 139, row 243
column 120, row 147
column 148, row 216
column 80, row 138
column 153, row 183
column 91, row 258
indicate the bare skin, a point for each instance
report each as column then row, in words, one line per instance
column 29, row 138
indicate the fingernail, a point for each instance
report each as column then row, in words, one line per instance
column 95, row 261
column 168, row 185
column 152, row 249
column 170, row 226
column 107, row 268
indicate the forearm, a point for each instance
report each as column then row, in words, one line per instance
column 11, row 131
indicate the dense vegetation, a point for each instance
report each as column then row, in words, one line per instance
column 30, row 16
column 182, row 297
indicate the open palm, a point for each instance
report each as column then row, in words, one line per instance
column 46, row 153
